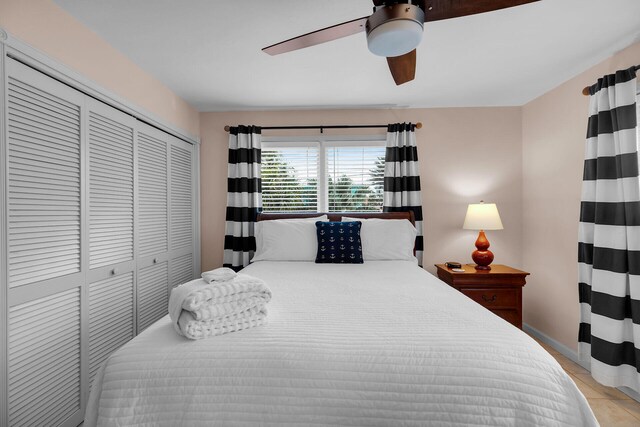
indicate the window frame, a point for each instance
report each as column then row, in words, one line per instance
column 323, row 142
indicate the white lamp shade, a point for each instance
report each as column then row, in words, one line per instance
column 482, row 216
column 395, row 38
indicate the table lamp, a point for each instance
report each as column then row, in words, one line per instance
column 482, row 216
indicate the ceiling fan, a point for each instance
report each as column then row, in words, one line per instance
column 395, row 28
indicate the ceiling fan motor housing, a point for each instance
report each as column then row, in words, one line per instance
column 395, row 29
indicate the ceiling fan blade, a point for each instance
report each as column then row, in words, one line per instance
column 419, row 3
column 436, row 10
column 319, row 36
column 403, row 67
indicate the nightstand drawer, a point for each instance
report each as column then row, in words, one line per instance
column 511, row 316
column 493, row 297
column 498, row 289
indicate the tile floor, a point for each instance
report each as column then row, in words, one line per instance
column 611, row 407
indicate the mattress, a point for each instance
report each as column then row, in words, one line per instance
column 379, row 344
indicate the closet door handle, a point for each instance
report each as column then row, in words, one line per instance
column 155, row 260
column 114, row 271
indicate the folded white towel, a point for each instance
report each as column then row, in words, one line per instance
column 199, row 309
column 198, row 329
column 222, row 274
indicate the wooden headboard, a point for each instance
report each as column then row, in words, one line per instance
column 337, row 216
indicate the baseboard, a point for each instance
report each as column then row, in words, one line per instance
column 557, row 345
column 570, row 354
column 631, row 393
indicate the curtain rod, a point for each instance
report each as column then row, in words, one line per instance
column 322, row 127
column 585, row 91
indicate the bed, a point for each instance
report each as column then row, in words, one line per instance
column 380, row 343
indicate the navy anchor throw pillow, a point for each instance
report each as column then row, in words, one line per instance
column 339, row 242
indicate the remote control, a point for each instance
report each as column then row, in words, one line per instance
column 458, row 270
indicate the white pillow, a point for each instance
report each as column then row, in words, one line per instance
column 287, row 239
column 386, row 239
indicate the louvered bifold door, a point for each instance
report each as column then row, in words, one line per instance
column 111, row 321
column 181, row 269
column 181, row 217
column 110, row 208
column 153, row 296
column 153, row 225
column 44, row 197
column 111, row 186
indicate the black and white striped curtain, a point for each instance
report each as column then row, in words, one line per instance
column 609, row 235
column 244, row 197
column 402, row 176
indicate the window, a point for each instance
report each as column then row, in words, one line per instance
column 323, row 175
column 290, row 179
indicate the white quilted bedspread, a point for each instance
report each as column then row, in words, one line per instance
column 378, row 344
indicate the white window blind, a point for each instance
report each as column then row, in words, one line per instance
column 355, row 177
column 318, row 176
column 290, row 179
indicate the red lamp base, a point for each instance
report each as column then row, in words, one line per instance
column 482, row 256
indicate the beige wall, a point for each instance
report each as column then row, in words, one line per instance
column 466, row 154
column 553, row 134
column 48, row 28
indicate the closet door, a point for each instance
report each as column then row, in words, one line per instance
column 110, row 195
column 153, row 225
column 181, row 218
column 166, row 220
column 44, row 241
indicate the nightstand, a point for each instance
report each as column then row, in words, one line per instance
column 498, row 289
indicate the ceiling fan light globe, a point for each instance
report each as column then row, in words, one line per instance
column 394, row 38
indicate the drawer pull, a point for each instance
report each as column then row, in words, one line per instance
column 492, row 299
column 155, row 260
column 114, row 271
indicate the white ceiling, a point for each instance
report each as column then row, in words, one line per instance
column 209, row 51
